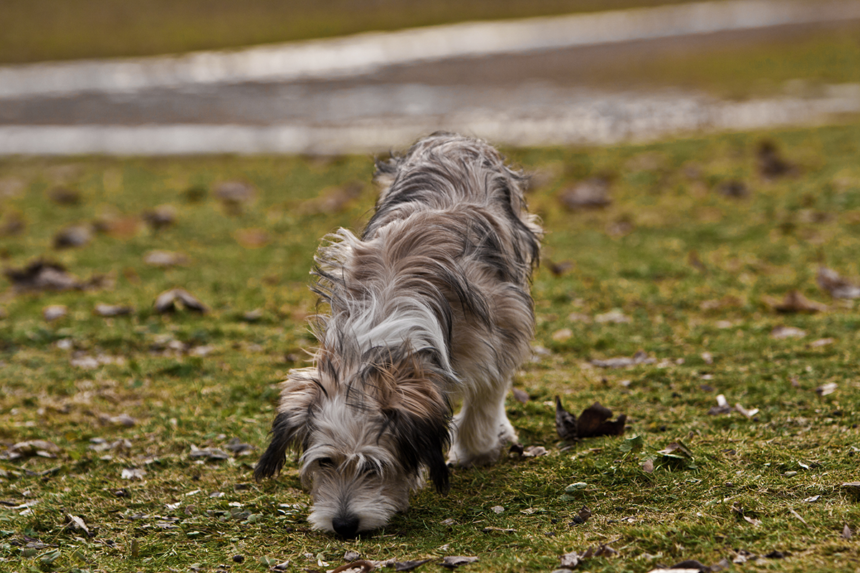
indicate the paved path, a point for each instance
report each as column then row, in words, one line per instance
column 518, row 83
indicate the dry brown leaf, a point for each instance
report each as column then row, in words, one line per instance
column 332, row 200
column 452, row 561
column 165, row 259
column 160, row 217
column 73, row 236
column 560, row 268
column 234, row 192
column 54, row 312
column 770, row 163
column 722, row 406
column 562, row 334
column 64, row 196
column 734, row 189
column 133, row 473
column 787, row 332
column 41, row 448
column 612, row 317
column 252, row 238
column 589, row 194
column 212, row 454
column 116, row 226
column 826, row 389
column 793, row 302
column 648, row 466
column 594, row 421
column 623, row 361
column 520, row 396
column 46, row 276
column 534, row 452
column 77, row 524
column 109, row 310
column 838, row 287
column 359, row 566
column 847, row 533
column 821, row 342
column 169, row 300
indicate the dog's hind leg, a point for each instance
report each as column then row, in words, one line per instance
column 481, row 429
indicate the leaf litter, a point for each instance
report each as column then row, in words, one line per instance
column 594, row 421
column 794, row 302
column 173, row 299
column 41, row 276
column 838, row 287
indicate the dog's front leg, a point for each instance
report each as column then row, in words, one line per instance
column 481, row 429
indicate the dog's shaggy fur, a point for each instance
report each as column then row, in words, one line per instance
column 432, row 302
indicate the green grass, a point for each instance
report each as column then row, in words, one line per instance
column 36, row 30
column 767, row 244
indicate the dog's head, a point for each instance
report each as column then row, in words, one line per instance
column 365, row 435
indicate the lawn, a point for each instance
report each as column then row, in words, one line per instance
column 154, row 421
column 35, row 30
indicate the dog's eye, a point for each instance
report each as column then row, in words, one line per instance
column 325, row 462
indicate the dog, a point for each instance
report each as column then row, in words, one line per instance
column 432, row 303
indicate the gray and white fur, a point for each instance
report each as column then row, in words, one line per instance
column 429, row 305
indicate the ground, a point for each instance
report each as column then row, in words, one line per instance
column 684, row 256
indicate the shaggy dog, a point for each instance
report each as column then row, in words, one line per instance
column 431, row 303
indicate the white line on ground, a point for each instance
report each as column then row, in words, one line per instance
column 639, row 117
column 361, row 54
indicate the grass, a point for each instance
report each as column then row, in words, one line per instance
column 634, row 256
column 37, row 30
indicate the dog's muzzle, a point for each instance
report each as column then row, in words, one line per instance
column 345, row 526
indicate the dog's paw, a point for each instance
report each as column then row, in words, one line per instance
column 462, row 459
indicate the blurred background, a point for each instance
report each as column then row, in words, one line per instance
column 300, row 76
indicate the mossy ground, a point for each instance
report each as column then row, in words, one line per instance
column 668, row 243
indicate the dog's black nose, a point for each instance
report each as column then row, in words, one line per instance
column 346, row 526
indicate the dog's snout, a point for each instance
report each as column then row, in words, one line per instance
column 345, row 526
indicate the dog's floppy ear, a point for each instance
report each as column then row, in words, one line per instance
column 419, row 416
column 299, row 392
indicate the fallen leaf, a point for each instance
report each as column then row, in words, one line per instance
column 676, row 450
column 584, row 514
column 612, row 317
column 351, row 556
column 46, row 276
column 236, row 447
column 534, row 452
column 452, row 562
column 594, row 421
column 167, row 301
column 41, row 448
column 73, row 236
column 359, row 566
column 826, row 389
column 725, row 302
column 332, row 199
column 85, row 362
column 579, row 317
column 812, row 499
column 797, row 515
column 770, row 164
column 838, row 287
column 775, row 554
column 252, row 315
column 734, row 189
column 520, row 396
column 565, row 423
column 497, row 509
column 588, row 194
column 846, row 533
column 122, row 420
column 622, row 361
column 252, row 238
column 787, row 332
column 794, row 302
column 707, row 357
column 117, row 226
column 447, row 522
column 562, row 335
column 410, row 565
column 560, row 268
column 570, row 560
column 64, row 196
column 722, row 406
column 77, row 524
column 160, row 217
column 165, row 259
column 648, row 466
column 852, row 487
column 12, row 224
column 54, row 312
column 109, row 310
column 821, row 342
column 212, row 454
column 133, row 473
column 738, row 509
column 233, row 194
